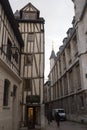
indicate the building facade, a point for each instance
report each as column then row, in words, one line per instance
column 68, row 75
column 10, row 82
column 31, row 27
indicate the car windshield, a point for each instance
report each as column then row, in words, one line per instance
column 61, row 111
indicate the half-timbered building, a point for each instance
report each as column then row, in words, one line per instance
column 31, row 26
column 10, row 82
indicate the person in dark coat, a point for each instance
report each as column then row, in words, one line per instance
column 57, row 118
column 48, row 117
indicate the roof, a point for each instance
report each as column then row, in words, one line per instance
column 29, row 4
column 8, row 11
column 28, row 8
column 52, row 55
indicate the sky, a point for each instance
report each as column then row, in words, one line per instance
column 58, row 15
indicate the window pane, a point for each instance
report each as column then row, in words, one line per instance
column 28, row 59
column 30, row 37
column 28, row 84
column 6, row 92
column 29, row 15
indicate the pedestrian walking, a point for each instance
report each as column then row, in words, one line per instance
column 49, row 117
column 57, row 118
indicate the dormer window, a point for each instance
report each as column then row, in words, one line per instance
column 29, row 15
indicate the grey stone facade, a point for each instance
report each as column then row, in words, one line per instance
column 68, row 76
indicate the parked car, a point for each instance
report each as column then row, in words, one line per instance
column 61, row 113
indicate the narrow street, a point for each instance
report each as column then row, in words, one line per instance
column 66, row 125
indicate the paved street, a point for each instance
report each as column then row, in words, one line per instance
column 66, row 125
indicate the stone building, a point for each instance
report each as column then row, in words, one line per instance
column 11, row 44
column 68, row 75
column 31, row 27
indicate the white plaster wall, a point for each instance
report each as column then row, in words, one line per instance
column 9, row 116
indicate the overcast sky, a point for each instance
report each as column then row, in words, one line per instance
column 58, row 15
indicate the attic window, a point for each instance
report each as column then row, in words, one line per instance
column 29, row 15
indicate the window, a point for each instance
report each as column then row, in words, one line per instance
column 9, row 51
column 81, row 101
column 60, row 66
column 6, row 92
column 15, row 56
column 28, row 59
column 30, row 37
column 78, row 79
column 65, row 85
column 69, row 54
column 71, row 81
column 75, row 47
column 29, row 15
column 61, row 87
column 28, row 84
column 14, row 90
column 64, row 61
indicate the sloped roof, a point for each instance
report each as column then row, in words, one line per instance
column 30, row 5
column 53, row 56
column 28, row 8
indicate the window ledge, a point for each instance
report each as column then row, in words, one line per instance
column 6, row 107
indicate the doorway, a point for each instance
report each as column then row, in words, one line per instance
column 31, row 117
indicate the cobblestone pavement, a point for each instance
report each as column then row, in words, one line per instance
column 65, row 125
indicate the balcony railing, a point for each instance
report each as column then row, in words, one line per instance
column 10, row 62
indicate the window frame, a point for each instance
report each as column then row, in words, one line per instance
column 28, row 59
column 30, row 37
column 6, row 93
